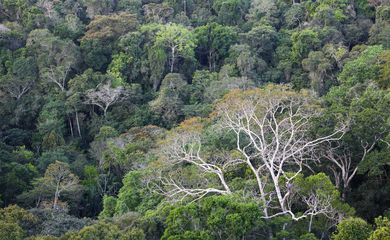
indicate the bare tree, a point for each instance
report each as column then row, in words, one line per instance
column 343, row 167
column 273, row 137
column 105, row 96
column 185, row 147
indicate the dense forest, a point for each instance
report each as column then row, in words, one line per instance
column 194, row 119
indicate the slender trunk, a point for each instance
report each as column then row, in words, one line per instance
column 70, row 126
column 38, row 202
column 269, row 231
column 310, row 223
column 284, row 229
column 56, row 196
column 78, row 124
column 173, row 59
column 260, row 186
column 214, row 62
column 105, row 111
column 275, row 180
column 345, row 193
column 210, row 62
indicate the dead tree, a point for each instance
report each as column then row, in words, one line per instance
column 105, row 96
column 272, row 128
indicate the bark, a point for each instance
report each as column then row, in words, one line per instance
column 173, row 59
column 70, row 126
column 78, row 124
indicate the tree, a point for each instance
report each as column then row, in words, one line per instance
column 178, row 40
column 360, row 100
column 109, row 203
column 262, row 10
column 155, row 12
column 59, row 178
column 382, row 230
column 384, row 79
column 15, row 179
column 105, row 96
column 51, row 124
column 214, row 41
column 216, row 217
column 99, row 231
column 262, row 40
column 14, row 221
column 96, row 53
column 230, row 12
column 320, row 192
column 169, row 103
column 133, row 6
column 97, row 7
column 23, row 12
column 380, row 30
column 108, row 27
column 273, row 140
column 71, row 27
column 57, row 58
column 352, row 229
column 53, row 223
column 364, row 67
column 303, row 42
column 20, row 78
column 320, row 71
column 330, row 12
column 295, row 15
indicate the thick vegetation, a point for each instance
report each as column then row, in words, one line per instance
column 194, row 119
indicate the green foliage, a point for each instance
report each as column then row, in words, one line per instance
column 109, row 204
column 303, row 42
column 214, row 41
column 363, row 68
column 14, row 222
column 56, row 223
column 168, row 105
column 262, row 40
column 231, row 12
column 98, row 231
column 178, row 40
column 320, row 71
column 174, row 60
column 382, row 230
column 308, row 236
column 352, row 229
column 10, row 231
column 96, row 54
column 213, row 217
column 111, row 26
column 129, row 196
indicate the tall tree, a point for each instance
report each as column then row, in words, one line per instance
column 57, row 58
column 178, row 40
column 214, row 41
column 59, row 178
column 105, row 96
column 20, row 78
column 273, row 140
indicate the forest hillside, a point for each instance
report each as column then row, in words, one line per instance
column 194, row 119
